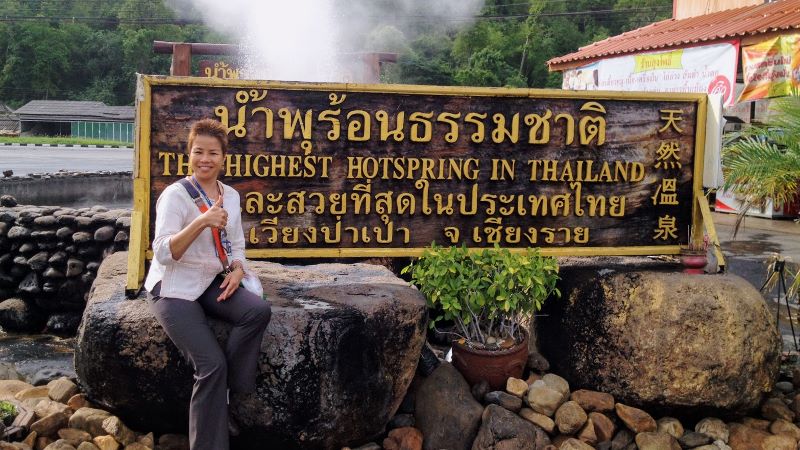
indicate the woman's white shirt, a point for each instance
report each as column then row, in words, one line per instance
column 188, row 277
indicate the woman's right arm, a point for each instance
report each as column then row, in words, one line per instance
column 171, row 238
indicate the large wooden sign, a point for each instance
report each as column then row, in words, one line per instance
column 338, row 170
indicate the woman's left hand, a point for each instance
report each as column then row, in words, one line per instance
column 230, row 284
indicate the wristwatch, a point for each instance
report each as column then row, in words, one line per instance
column 233, row 266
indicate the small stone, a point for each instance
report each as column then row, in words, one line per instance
column 147, row 440
column 77, row 402
column 173, row 442
column 587, row 434
column 713, row 427
column 480, row 389
column 544, row 400
column 34, row 392
column 671, row 426
column 533, row 377
column 693, row 439
column 574, row 444
column 758, row 424
column 81, row 237
column 783, row 427
column 656, row 441
column 48, row 426
column 60, row 444
column 84, row 222
column 89, row 420
column 121, row 236
column 593, row 400
column 74, row 436
column 635, row 419
column 38, row 262
column 30, row 284
column 62, row 389
column 604, row 428
column 407, row 438
column 538, row 363
column 540, row 420
column 507, row 401
column 74, row 267
column 784, row 386
column 104, row 234
column 18, row 232
column 30, row 440
column 744, row 437
column 45, row 221
column 53, row 274
column 136, row 446
column 45, row 407
column 64, row 232
column 42, row 442
column 28, row 247
column 106, row 443
column 516, row 387
column 118, row 430
column 570, row 417
column 87, row 446
column 774, row 409
column 780, row 442
column 8, row 200
column 558, row 384
column 123, row 222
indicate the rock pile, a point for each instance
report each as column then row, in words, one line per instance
column 58, row 417
column 49, row 257
column 544, row 413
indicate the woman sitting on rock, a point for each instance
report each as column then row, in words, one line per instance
column 189, row 281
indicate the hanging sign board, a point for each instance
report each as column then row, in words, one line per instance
column 771, row 68
column 708, row 69
column 340, row 170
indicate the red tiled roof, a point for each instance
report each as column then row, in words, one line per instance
column 732, row 23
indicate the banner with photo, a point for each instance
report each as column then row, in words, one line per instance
column 707, row 69
column 771, row 68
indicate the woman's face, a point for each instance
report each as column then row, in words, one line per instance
column 206, row 158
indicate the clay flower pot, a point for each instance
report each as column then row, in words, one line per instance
column 494, row 366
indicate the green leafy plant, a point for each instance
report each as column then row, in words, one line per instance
column 7, row 412
column 489, row 294
column 762, row 163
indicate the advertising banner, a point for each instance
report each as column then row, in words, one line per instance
column 771, row 68
column 708, row 69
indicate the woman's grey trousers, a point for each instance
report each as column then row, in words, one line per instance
column 215, row 370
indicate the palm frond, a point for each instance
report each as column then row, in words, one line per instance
column 763, row 163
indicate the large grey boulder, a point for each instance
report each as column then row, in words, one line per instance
column 336, row 360
column 663, row 340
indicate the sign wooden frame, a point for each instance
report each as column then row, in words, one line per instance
column 140, row 239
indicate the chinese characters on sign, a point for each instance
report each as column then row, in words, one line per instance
column 345, row 171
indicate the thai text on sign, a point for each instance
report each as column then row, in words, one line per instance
column 357, row 170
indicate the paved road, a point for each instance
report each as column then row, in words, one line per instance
column 747, row 253
column 29, row 159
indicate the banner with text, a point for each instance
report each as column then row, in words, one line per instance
column 330, row 170
column 771, row 68
column 707, row 69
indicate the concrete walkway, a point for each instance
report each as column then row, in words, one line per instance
column 746, row 256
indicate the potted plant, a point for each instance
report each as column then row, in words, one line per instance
column 490, row 295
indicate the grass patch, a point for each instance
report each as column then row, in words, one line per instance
column 7, row 412
column 60, row 140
